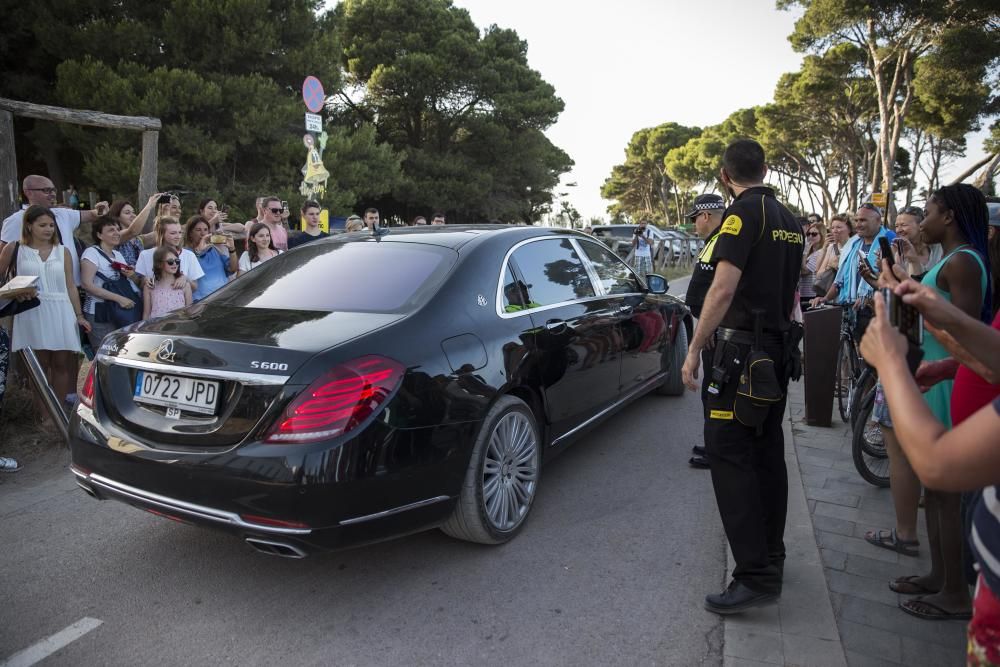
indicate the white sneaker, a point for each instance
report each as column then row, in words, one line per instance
column 8, row 464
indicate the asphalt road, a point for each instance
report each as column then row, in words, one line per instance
column 622, row 544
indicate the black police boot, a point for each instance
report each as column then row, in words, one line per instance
column 736, row 598
column 698, row 450
column 698, row 462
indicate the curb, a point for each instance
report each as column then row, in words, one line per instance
column 801, row 629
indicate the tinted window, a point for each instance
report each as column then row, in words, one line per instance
column 616, row 278
column 553, row 272
column 353, row 276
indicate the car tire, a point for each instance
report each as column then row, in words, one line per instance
column 673, row 384
column 501, row 481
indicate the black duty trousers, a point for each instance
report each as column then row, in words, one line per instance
column 750, row 481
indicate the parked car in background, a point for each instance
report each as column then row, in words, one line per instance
column 619, row 239
column 313, row 404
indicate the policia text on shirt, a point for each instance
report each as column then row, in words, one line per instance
column 758, row 256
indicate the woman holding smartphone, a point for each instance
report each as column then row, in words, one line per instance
column 216, row 254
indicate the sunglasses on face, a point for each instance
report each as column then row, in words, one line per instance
column 172, row 262
column 276, row 211
column 812, row 234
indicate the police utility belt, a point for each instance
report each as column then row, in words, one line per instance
column 740, row 360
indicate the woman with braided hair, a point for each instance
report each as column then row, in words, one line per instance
column 956, row 217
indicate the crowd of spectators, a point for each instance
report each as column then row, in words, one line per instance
column 939, row 424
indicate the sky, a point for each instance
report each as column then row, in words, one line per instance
column 630, row 64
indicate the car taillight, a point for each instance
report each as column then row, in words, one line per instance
column 87, row 393
column 339, row 401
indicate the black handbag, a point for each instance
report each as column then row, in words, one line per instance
column 16, row 307
column 111, row 311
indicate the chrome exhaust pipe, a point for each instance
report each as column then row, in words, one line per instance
column 273, row 548
column 89, row 491
column 53, row 403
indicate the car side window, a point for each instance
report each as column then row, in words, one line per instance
column 552, row 272
column 615, row 276
column 515, row 293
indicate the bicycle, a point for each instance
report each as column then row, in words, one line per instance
column 850, row 366
column 867, row 445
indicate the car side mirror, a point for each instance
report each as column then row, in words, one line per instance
column 657, row 284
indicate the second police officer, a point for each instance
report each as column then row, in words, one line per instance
column 706, row 215
column 758, row 256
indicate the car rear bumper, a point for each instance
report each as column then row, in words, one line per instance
column 319, row 499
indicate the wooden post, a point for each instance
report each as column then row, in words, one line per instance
column 9, row 187
column 148, row 126
column 148, row 172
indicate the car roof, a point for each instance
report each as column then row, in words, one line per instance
column 453, row 236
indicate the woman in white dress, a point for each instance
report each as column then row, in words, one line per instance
column 51, row 329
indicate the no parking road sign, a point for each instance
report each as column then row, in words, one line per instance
column 312, row 94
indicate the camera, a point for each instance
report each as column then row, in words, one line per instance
column 637, row 231
column 164, row 199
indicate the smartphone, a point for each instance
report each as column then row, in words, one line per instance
column 225, row 208
column 883, row 244
column 904, row 317
column 118, row 266
column 217, row 238
column 284, row 205
column 164, row 199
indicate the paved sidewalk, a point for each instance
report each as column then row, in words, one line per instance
column 801, row 629
column 842, row 506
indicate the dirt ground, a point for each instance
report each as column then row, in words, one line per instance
column 25, row 433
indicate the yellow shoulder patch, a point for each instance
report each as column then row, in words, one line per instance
column 721, row 414
column 732, row 225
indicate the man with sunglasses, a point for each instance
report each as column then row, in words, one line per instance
column 272, row 210
column 39, row 191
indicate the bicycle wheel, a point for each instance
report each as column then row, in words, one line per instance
column 865, row 382
column 867, row 448
column 847, row 362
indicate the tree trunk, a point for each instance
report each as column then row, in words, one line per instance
column 9, row 187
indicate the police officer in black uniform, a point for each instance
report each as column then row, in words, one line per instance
column 706, row 215
column 758, row 255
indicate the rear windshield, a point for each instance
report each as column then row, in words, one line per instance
column 354, row 276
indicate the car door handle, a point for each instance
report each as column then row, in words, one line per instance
column 556, row 326
column 624, row 309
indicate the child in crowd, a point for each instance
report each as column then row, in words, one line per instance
column 161, row 298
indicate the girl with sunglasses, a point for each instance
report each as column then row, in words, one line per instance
column 162, row 297
column 814, row 246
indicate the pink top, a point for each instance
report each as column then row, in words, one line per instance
column 165, row 299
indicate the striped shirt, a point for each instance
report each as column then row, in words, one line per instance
column 986, row 532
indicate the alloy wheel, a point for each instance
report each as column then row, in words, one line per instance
column 510, row 471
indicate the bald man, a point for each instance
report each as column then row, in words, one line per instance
column 39, row 191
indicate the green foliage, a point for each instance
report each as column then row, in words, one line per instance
column 464, row 110
column 641, row 186
column 443, row 116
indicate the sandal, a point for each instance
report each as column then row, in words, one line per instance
column 8, row 464
column 887, row 539
column 932, row 612
column 908, row 586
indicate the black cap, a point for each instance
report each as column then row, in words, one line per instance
column 707, row 202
